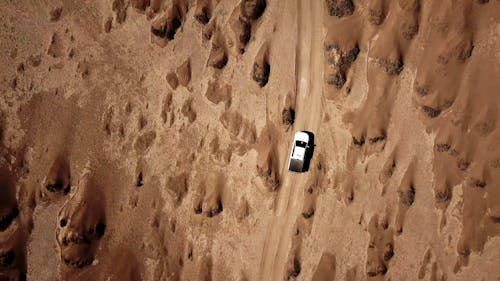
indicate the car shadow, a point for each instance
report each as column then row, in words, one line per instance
column 309, row 152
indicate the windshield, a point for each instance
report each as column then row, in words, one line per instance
column 301, row 144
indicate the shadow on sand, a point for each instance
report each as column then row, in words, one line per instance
column 309, row 152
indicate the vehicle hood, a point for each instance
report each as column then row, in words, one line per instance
column 301, row 136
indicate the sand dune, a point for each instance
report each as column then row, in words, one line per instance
column 149, row 140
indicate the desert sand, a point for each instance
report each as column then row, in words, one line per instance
column 149, row 140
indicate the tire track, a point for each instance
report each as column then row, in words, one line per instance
column 309, row 16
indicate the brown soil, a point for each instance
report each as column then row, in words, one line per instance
column 149, row 140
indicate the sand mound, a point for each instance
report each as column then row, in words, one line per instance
column 144, row 141
column 268, row 166
column 339, row 60
column 56, row 47
column 172, row 80
column 261, row 67
column 253, row 9
column 203, row 11
column 178, row 186
column 208, row 196
column 340, row 8
column 167, row 108
column 221, row 155
column 216, row 93
column 183, row 73
column 219, row 53
column 241, row 31
column 120, row 9
column 170, row 18
column 81, row 224
column 58, row 179
column 406, row 195
column 188, row 110
column 325, row 270
column 380, row 248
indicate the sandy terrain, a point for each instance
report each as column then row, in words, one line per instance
column 149, row 140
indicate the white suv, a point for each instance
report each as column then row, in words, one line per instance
column 299, row 151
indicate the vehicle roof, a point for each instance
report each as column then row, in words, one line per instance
column 301, row 136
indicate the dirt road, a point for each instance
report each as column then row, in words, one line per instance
column 309, row 15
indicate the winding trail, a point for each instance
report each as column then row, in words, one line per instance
column 309, row 79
